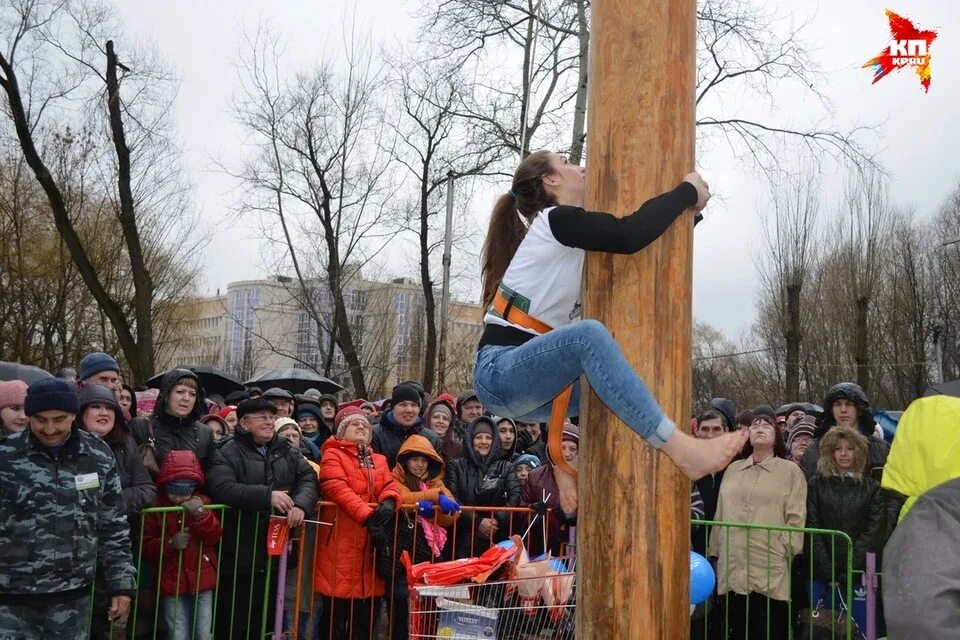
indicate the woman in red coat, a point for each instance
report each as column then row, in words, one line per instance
column 352, row 476
column 184, row 544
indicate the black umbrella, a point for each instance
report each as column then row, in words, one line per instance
column 26, row 372
column 295, row 381
column 951, row 388
column 213, row 380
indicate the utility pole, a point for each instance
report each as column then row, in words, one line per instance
column 445, row 293
column 634, row 521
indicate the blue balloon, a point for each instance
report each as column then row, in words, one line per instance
column 506, row 544
column 702, row 578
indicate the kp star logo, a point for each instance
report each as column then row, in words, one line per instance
column 908, row 47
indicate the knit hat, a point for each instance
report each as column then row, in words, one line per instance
column 765, row 416
column 207, row 419
column 343, row 417
column 51, row 394
column 727, row 410
column 766, row 410
column 97, row 394
column 12, row 393
column 483, row 425
column 253, row 405
column 404, row 393
column 443, row 406
column 223, row 413
column 571, row 433
column 308, row 410
column 463, row 398
column 97, row 362
column 182, row 487
column 284, row 422
column 804, row 425
column 528, row 459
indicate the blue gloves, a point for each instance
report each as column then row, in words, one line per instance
column 425, row 508
column 448, row 506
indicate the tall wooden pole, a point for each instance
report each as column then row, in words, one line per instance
column 634, row 533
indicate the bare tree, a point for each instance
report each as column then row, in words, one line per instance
column 320, row 166
column 543, row 40
column 52, row 58
column 740, row 52
column 792, row 240
column 862, row 225
column 434, row 143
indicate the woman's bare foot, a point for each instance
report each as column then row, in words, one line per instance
column 568, row 490
column 697, row 458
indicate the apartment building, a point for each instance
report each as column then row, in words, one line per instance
column 259, row 325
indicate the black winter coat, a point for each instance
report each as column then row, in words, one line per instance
column 854, row 506
column 139, row 492
column 172, row 433
column 388, row 437
column 466, row 477
column 243, row 478
column 709, row 488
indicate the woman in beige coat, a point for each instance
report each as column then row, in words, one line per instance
column 753, row 566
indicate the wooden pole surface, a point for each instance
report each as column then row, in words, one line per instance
column 634, row 534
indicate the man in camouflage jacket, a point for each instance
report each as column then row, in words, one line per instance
column 61, row 511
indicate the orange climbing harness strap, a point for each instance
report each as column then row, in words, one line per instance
column 558, row 412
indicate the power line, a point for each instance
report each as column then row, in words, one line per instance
column 822, row 365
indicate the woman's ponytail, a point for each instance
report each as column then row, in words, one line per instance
column 506, row 231
column 504, row 235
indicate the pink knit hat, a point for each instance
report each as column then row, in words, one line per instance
column 343, row 417
column 12, row 393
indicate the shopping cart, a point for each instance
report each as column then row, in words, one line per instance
column 535, row 603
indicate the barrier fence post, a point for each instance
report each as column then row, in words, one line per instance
column 634, row 503
column 870, row 584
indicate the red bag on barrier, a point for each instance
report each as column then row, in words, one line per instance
column 278, row 532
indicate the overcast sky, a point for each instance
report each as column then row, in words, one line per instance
column 919, row 133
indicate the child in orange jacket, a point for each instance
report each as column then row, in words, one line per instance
column 421, row 532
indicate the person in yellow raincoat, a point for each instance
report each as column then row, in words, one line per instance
column 926, row 449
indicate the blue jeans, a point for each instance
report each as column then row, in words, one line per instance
column 521, row 382
column 178, row 613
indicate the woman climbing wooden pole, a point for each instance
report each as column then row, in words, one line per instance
column 535, row 347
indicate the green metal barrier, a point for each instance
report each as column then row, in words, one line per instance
column 739, row 540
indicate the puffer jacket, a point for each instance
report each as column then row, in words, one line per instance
column 195, row 570
column 542, row 483
column 434, row 480
column 879, row 449
column 345, row 555
column 926, row 451
column 171, row 433
column 466, row 476
column 388, row 437
column 243, row 478
column 53, row 533
column 849, row 504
